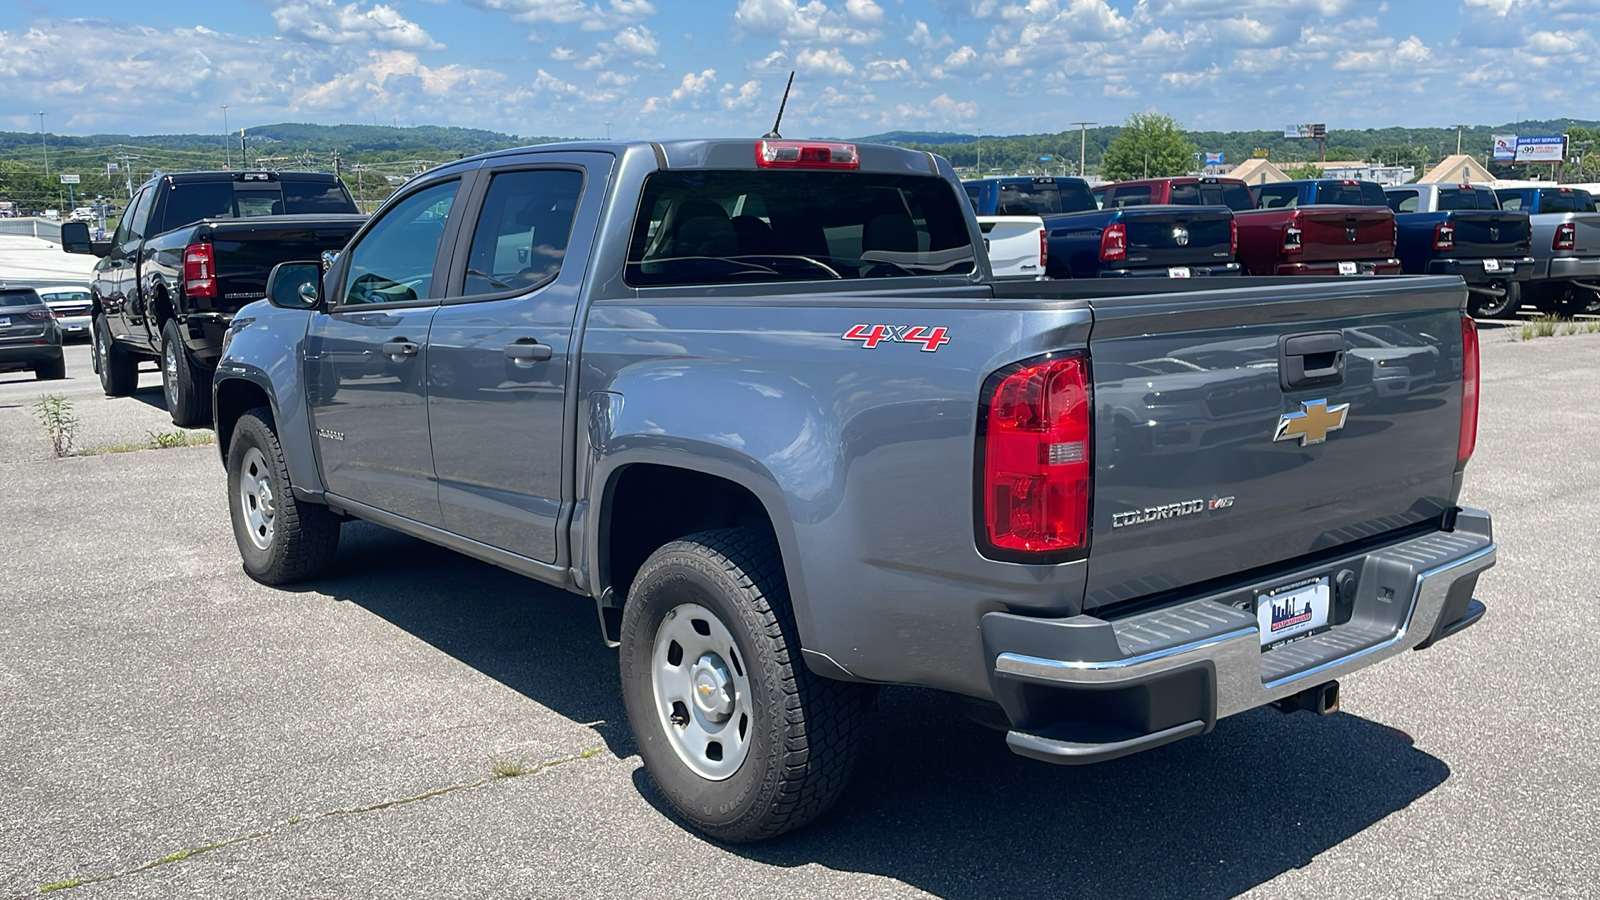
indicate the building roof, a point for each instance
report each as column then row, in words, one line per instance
column 1258, row 171
column 1457, row 169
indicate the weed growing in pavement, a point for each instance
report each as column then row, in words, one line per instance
column 1550, row 325
column 166, row 440
column 55, row 413
column 509, row 768
column 156, row 440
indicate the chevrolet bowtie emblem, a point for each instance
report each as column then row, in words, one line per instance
column 1312, row 423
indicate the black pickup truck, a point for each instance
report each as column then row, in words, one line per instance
column 193, row 248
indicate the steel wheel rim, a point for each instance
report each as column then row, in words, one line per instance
column 256, row 499
column 701, row 688
column 169, row 373
column 100, row 354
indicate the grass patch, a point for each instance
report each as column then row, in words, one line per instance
column 509, row 768
column 1547, row 325
column 67, row 883
column 157, row 440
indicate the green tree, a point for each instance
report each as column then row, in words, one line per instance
column 1306, row 170
column 1150, row 146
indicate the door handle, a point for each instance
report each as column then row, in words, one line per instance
column 399, row 348
column 1311, row 360
column 528, row 351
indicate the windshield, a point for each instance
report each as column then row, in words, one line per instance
column 731, row 227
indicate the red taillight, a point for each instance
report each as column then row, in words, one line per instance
column 1044, row 250
column 39, row 313
column 806, row 155
column 1566, row 237
column 199, row 271
column 1444, row 236
column 1114, row 242
column 1233, row 238
column 1469, row 391
column 1035, row 446
column 1291, row 239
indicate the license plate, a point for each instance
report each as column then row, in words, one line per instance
column 1347, row 268
column 1491, row 265
column 1292, row 610
column 1178, row 272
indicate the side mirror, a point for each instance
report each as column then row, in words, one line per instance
column 295, row 285
column 75, row 238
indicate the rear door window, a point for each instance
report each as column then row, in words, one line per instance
column 1403, row 201
column 1186, row 195
column 732, row 227
column 1278, row 196
column 315, row 197
column 1133, row 195
column 522, row 231
column 1511, row 199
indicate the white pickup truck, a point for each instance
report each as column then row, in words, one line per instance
column 1016, row 245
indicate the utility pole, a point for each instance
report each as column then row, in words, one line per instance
column 1083, row 146
column 227, row 145
column 1458, row 139
column 127, row 169
column 44, row 145
column 336, row 172
column 244, row 157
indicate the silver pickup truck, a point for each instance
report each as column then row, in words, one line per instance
column 1565, row 246
column 763, row 403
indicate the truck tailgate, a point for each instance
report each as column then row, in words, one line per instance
column 247, row 249
column 1013, row 243
column 1489, row 232
column 1178, row 235
column 1208, row 465
column 1346, row 232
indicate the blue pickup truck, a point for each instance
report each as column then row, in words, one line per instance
column 1085, row 241
column 763, row 404
column 1459, row 229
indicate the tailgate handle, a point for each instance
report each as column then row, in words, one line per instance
column 1311, row 360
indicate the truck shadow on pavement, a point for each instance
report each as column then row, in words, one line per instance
column 937, row 802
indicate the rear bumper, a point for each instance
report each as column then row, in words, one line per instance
column 1201, row 271
column 1573, row 268
column 1084, row 689
column 17, row 356
column 1363, row 267
column 1472, row 271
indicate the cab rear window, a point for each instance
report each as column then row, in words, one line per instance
column 17, row 298
column 736, row 227
column 1467, row 198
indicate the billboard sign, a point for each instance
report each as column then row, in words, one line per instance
column 1214, row 159
column 1297, row 131
column 71, row 179
column 1541, row 148
column 1505, row 148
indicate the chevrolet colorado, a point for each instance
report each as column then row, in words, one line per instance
column 763, row 404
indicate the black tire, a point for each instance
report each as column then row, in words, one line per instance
column 300, row 538
column 118, row 369
column 51, row 369
column 805, row 730
column 1484, row 306
column 185, row 382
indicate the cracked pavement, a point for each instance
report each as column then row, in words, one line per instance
column 156, row 701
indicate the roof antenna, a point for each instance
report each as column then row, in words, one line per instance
column 773, row 135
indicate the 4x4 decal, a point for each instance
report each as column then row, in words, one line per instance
column 871, row 336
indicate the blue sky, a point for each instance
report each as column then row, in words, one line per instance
column 672, row 68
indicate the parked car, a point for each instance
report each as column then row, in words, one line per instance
column 83, row 214
column 29, row 337
column 70, row 303
column 1565, row 246
column 821, row 449
column 195, row 247
column 1459, row 229
column 1084, row 241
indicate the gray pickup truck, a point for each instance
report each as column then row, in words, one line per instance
column 1565, row 245
column 763, row 403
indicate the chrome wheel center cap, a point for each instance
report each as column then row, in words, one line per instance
column 713, row 687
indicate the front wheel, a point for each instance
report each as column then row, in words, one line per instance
column 741, row 738
column 118, row 369
column 186, row 383
column 281, row 539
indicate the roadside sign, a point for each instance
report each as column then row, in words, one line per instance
column 69, row 179
column 1214, row 159
column 1541, row 148
column 1260, row 153
column 1505, row 148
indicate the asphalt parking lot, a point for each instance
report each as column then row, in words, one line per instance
column 174, row 728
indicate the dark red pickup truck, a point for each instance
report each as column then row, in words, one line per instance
column 1278, row 234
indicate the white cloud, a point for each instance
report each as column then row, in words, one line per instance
column 690, row 88
column 636, row 41
column 789, row 21
column 823, row 61
column 586, row 16
column 742, row 97
column 922, row 38
column 563, row 54
column 1497, row 7
column 326, row 22
column 887, row 70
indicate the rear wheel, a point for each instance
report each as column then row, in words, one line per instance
column 281, row 539
column 119, row 369
column 1486, row 306
column 742, row 739
column 51, row 369
column 185, row 382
